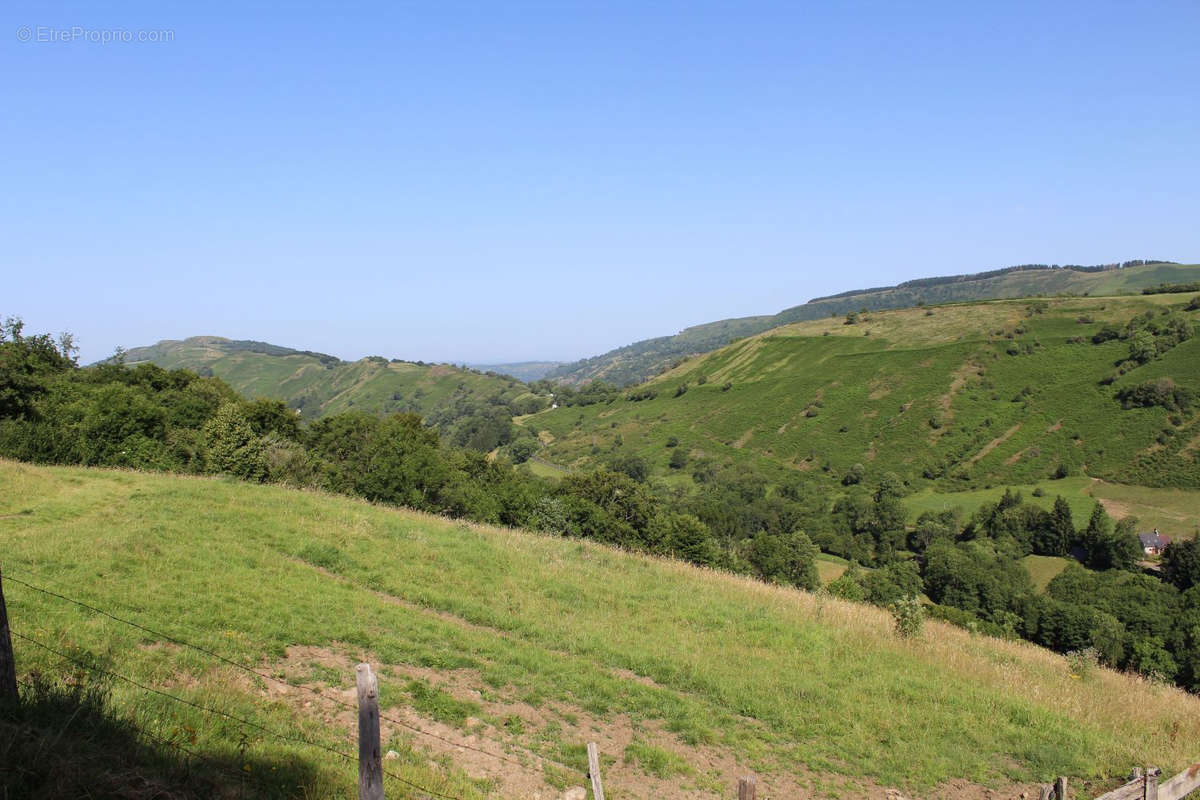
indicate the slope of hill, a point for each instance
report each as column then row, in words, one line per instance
column 964, row 395
column 317, row 384
column 641, row 360
column 526, row 647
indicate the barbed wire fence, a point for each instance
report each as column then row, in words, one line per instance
column 93, row 668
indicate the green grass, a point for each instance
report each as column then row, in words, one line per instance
column 1043, row 569
column 572, row 636
column 1172, row 511
column 918, row 392
column 544, row 469
column 655, row 760
column 830, row 568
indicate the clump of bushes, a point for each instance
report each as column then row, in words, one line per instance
column 1161, row 392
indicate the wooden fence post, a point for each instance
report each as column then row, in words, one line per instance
column 594, row 771
column 1151, row 791
column 370, row 764
column 1060, row 788
column 746, row 788
column 8, row 664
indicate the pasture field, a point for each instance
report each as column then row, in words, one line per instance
column 528, row 646
column 1043, row 569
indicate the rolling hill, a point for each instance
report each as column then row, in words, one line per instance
column 317, row 384
column 500, row 653
column 959, row 397
column 642, row 360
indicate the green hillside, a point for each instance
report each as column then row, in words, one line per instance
column 641, row 360
column 524, row 647
column 960, row 396
column 319, row 385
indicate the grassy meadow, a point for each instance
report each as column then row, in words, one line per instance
column 529, row 646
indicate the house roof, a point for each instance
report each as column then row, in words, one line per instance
column 1155, row 539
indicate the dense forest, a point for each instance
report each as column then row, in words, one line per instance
column 1106, row 608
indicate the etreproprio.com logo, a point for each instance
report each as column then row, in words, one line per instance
column 49, row 34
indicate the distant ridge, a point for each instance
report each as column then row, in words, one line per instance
column 995, row 273
column 521, row 370
column 159, row 350
column 642, row 360
column 317, row 384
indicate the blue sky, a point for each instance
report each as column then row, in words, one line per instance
column 506, row 181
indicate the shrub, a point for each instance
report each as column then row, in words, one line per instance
column 1161, row 392
column 1082, row 663
column 233, row 447
column 910, row 616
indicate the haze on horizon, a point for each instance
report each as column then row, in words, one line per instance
column 465, row 183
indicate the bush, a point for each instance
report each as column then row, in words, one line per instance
column 1162, row 392
column 1082, row 663
column 233, row 448
column 910, row 617
column 854, row 475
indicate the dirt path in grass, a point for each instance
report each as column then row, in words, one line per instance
column 510, row 742
column 993, row 444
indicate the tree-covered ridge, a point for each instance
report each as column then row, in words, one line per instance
column 472, row 408
column 642, row 360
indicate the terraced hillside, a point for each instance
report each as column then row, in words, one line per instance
column 642, row 360
column 513, row 650
column 317, row 384
column 961, row 396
